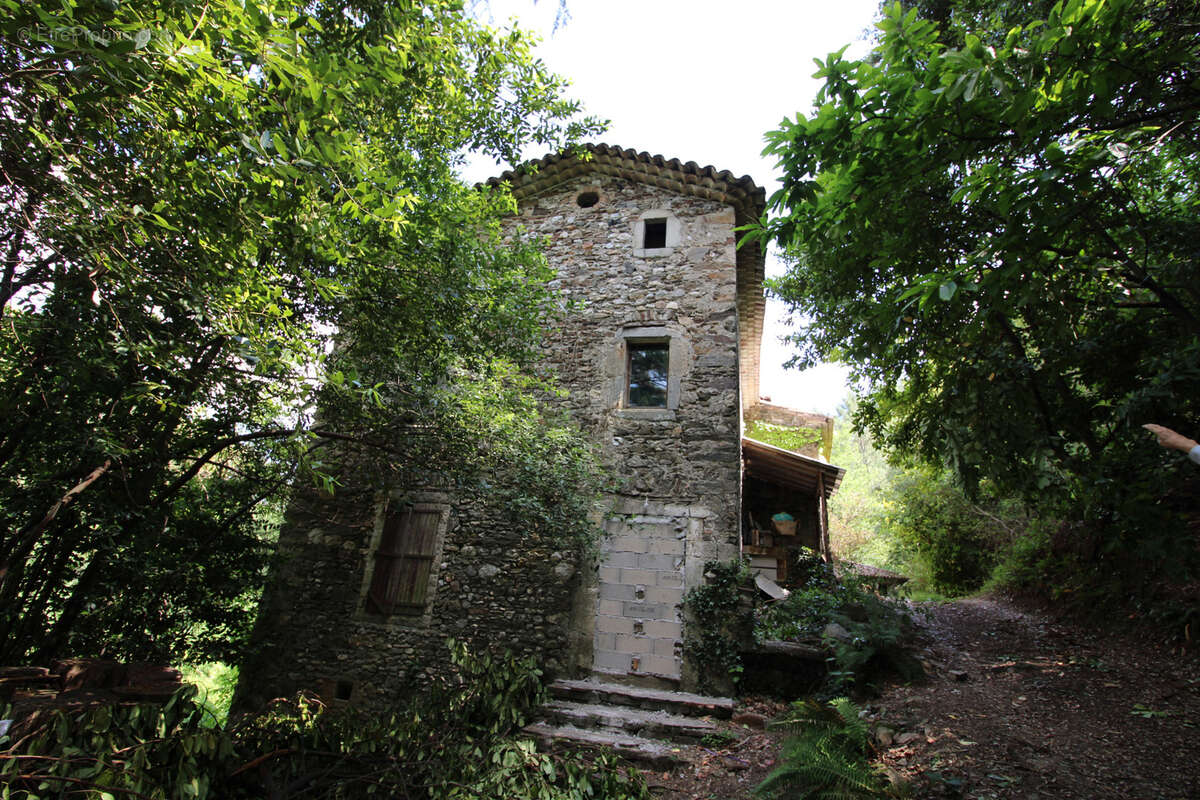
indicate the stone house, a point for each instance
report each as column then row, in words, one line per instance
column 660, row 358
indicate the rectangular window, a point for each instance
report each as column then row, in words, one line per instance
column 656, row 234
column 649, row 364
column 403, row 561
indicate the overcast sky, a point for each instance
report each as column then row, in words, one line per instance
column 701, row 80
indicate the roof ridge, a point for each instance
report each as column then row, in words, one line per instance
column 752, row 197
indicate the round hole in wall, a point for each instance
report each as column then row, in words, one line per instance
column 587, row 199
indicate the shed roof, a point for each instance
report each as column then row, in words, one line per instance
column 785, row 468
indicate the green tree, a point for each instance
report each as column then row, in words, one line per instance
column 199, row 200
column 997, row 228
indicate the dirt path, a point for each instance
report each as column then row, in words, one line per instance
column 1021, row 706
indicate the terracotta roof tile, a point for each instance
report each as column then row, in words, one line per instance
column 532, row 177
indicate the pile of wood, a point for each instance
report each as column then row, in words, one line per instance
column 77, row 683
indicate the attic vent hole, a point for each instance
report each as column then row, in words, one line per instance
column 587, row 199
column 656, row 234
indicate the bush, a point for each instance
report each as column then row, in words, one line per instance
column 216, row 682
column 460, row 741
column 941, row 534
column 825, row 755
column 718, row 618
column 723, row 620
column 864, row 632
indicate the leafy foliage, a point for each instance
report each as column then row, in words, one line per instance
column 994, row 222
column 169, row 751
column 457, row 742
column 953, row 541
column 202, row 200
column 215, row 684
column 788, row 438
column 727, row 614
column 873, row 629
column 917, row 520
column 825, row 755
column 718, row 616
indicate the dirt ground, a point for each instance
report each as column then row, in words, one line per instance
column 1017, row 704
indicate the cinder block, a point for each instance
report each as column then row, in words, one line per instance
column 610, row 575
column 661, row 665
column 629, row 544
column 616, row 591
column 660, row 629
column 636, row 645
column 606, row 624
column 605, row 659
column 606, row 641
column 638, row 577
column 672, row 580
column 673, row 546
column 610, row 608
column 664, row 647
column 645, row 611
column 660, row 594
column 657, row 561
column 620, row 559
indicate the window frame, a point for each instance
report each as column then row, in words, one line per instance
column 368, row 607
column 615, row 368
column 672, row 233
column 635, row 343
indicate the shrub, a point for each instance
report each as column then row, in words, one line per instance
column 936, row 528
column 825, row 755
column 723, row 620
column 718, row 618
column 460, row 741
column 872, row 628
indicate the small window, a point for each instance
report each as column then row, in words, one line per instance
column 649, row 366
column 655, row 234
column 403, row 561
column 587, row 199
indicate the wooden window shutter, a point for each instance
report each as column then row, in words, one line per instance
column 404, row 561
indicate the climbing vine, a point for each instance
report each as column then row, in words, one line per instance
column 718, row 614
column 782, row 436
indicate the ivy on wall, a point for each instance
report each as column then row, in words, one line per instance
column 782, row 436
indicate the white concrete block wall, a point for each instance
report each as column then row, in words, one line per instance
column 641, row 575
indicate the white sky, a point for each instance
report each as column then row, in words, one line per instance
column 701, row 80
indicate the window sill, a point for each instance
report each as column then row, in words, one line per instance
column 646, row 413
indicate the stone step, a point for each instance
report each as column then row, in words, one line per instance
column 599, row 692
column 622, row 719
column 646, row 680
column 651, row 752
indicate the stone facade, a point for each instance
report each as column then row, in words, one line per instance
column 679, row 466
column 490, row 583
column 691, row 292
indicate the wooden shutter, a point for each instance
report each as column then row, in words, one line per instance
column 403, row 561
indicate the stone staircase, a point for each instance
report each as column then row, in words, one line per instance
column 651, row 726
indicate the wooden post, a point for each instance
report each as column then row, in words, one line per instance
column 823, row 519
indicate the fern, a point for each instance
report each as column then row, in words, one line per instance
column 825, row 755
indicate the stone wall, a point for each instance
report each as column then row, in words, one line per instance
column 492, row 586
column 678, row 468
column 689, row 453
